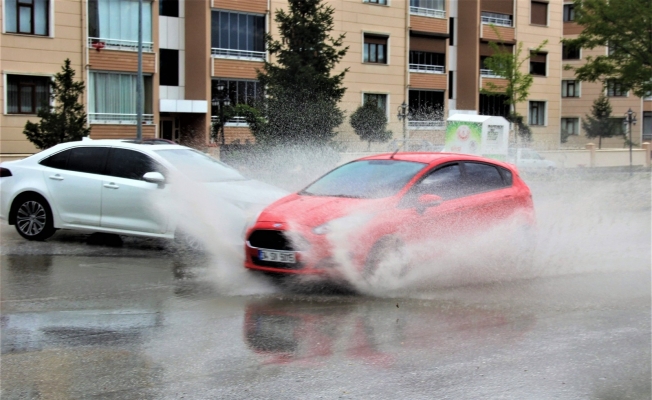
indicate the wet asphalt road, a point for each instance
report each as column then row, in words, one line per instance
column 142, row 321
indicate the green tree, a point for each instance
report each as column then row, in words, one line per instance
column 251, row 115
column 509, row 65
column 301, row 105
column 600, row 124
column 625, row 26
column 370, row 123
column 66, row 121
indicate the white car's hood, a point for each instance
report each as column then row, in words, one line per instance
column 249, row 192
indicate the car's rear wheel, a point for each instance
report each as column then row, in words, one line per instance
column 33, row 217
column 387, row 260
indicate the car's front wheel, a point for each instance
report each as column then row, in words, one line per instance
column 33, row 217
column 388, row 260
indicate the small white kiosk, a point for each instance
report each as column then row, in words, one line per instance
column 483, row 135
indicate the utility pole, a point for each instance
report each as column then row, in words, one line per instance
column 139, row 77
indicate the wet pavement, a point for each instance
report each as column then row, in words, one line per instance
column 143, row 321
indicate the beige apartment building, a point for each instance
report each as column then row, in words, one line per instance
column 427, row 54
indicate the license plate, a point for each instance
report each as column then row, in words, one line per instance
column 277, row 256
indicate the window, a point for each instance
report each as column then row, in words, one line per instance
column 30, row 17
column 570, row 126
column 451, row 31
column 381, row 2
column 87, row 159
column 647, row 125
column 481, row 178
column 494, row 105
column 539, row 13
column 429, row 8
column 27, row 94
column 615, row 89
column 130, row 164
column 569, row 12
column 169, row 67
column 538, row 63
column 116, row 24
column 238, row 35
column 570, row 88
column 112, row 98
column 375, row 49
column 570, row 52
column 537, row 113
column 423, row 61
column 379, row 99
column 496, row 19
column 58, row 160
column 620, row 121
column 239, row 92
column 426, row 105
column 168, row 8
column 445, row 182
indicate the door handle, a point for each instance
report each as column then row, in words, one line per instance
column 56, row 177
column 111, row 186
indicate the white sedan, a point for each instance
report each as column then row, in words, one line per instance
column 123, row 187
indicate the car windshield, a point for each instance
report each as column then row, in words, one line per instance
column 368, row 179
column 200, row 167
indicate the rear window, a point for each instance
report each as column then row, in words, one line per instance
column 482, row 177
column 81, row 159
column 59, row 160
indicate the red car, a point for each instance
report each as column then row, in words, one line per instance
column 376, row 206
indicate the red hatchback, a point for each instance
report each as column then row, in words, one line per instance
column 378, row 205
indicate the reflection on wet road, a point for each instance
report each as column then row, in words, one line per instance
column 158, row 327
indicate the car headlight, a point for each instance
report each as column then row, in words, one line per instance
column 321, row 229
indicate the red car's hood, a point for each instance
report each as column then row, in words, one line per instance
column 315, row 210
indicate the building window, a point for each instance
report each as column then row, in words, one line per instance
column 620, row 121
column 539, row 13
column 615, row 89
column 570, row 52
column 115, row 23
column 569, row 12
column 426, row 105
column 375, row 49
column 494, row 105
column 423, row 61
column 570, row 88
column 238, row 35
column 381, row 2
column 379, row 99
column 168, row 8
column 491, row 18
column 112, row 98
column 537, row 113
column 239, row 91
column 27, row 94
column 647, row 125
column 538, row 64
column 30, row 17
column 428, row 8
column 169, row 67
column 570, row 126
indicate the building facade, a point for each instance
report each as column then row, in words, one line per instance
column 427, row 54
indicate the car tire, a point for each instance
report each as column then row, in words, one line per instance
column 385, row 250
column 33, row 217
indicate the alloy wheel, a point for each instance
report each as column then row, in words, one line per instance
column 31, row 218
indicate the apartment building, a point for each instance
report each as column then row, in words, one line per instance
column 427, row 54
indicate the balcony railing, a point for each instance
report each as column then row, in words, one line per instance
column 427, row 125
column 234, row 121
column 487, row 73
column 429, row 69
column 428, row 12
column 497, row 21
column 117, row 44
column 238, row 54
column 112, row 118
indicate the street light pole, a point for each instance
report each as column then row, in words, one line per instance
column 630, row 119
column 402, row 116
column 139, row 76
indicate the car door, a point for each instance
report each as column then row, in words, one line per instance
column 487, row 193
column 74, row 182
column 129, row 202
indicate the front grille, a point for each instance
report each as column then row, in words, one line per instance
column 273, row 240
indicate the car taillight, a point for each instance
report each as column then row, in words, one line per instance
column 4, row 172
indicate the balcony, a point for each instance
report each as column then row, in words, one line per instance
column 428, row 12
column 428, row 69
column 432, row 125
column 497, row 21
column 234, row 122
column 122, row 119
column 487, row 73
column 239, row 54
column 118, row 44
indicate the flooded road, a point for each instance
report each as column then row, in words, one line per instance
column 142, row 321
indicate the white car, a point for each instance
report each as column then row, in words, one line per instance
column 111, row 186
column 528, row 159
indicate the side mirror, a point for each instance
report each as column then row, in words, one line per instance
column 427, row 200
column 155, row 177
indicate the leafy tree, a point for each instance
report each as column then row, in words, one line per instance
column 251, row 114
column 599, row 124
column 302, row 94
column 625, row 26
column 66, row 121
column 370, row 123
